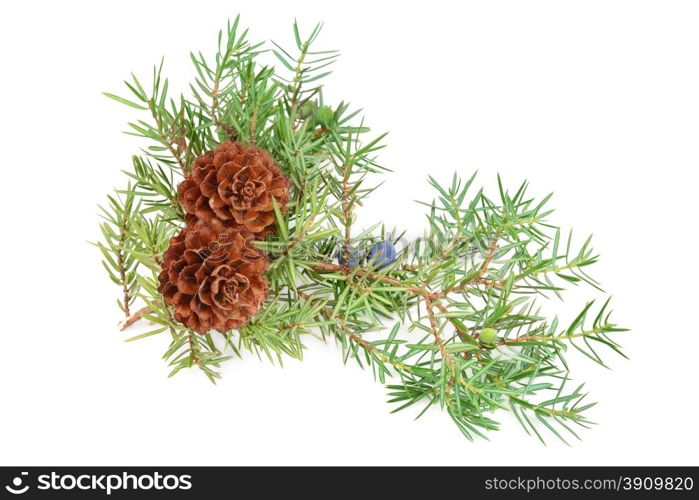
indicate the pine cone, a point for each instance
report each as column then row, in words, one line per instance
column 235, row 183
column 213, row 276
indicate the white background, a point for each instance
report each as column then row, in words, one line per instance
column 596, row 100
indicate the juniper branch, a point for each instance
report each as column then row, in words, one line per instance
column 485, row 263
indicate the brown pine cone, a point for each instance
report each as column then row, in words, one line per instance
column 213, row 276
column 235, row 183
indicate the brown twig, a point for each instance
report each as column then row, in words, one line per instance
column 422, row 291
column 491, row 253
column 253, row 126
column 346, row 270
column 437, row 337
column 459, row 330
column 479, row 278
column 489, row 283
column 130, row 320
column 296, row 82
column 304, row 230
column 192, row 349
column 341, row 324
column 320, row 132
column 346, row 214
column 122, row 269
column 544, row 338
column 230, row 133
column 167, row 141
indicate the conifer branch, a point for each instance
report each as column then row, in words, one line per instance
column 481, row 345
column 166, row 137
column 437, row 337
column 123, row 232
column 134, row 318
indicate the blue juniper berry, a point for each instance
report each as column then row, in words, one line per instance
column 355, row 257
column 382, row 254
